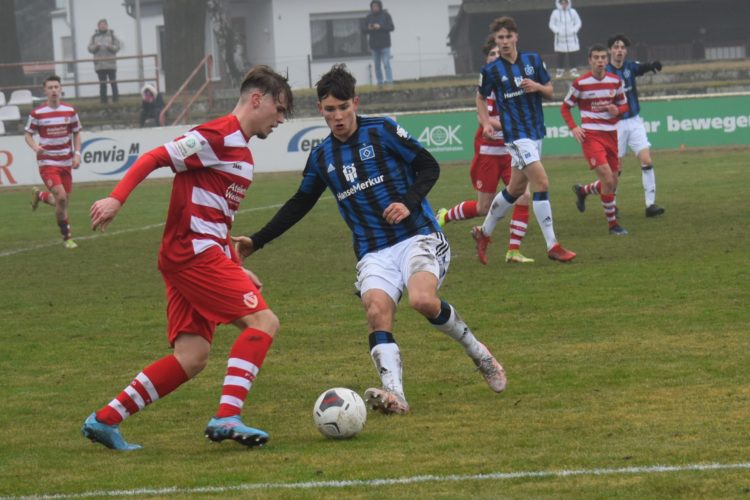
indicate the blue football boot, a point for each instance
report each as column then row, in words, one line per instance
column 219, row 429
column 108, row 435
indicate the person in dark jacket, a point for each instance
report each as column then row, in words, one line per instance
column 152, row 104
column 379, row 27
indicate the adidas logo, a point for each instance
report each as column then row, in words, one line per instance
column 504, row 79
column 331, row 168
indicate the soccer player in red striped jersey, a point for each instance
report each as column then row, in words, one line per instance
column 491, row 162
column 600, row 96
column 206, row 283
column 58, row 151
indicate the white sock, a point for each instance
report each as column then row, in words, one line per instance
column 500, row 206
column 649, row 184
column 387, row 359
column 458, row 330
column 543, row 213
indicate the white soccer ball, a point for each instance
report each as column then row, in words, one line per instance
column 339, row 413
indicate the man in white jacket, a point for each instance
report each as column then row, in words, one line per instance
column 565, row 23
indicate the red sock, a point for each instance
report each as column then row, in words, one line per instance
column 154, row 382
column 608, row 202
column 245, row 360
column 593, row 188
column 462, row 211
column 518, row 223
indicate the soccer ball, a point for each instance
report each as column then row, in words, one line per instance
column 339, row 413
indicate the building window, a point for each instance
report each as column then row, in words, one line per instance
column 338, row 35
column 160, row 46
column 67, row 53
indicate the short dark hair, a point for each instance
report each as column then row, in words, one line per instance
column 489, row 44
column 266, row 80
column 338, row 82
column 504, row 22
column 597, row 47
column 618, row 38
column 52, row 78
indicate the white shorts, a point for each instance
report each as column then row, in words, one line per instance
column 524, row 152
column 631, row 133
column 389, row 269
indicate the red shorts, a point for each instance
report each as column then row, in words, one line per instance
column 211, row 290
column 54, row 176
column 600, row 148
column 487, row 170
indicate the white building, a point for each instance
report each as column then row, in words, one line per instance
column 301, row 38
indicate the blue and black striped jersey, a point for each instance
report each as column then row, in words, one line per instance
column 627, row 73
column 520, row 113
column 367, row 173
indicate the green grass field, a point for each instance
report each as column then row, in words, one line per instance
column 633, row 356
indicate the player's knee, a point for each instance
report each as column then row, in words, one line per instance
column 427, row 304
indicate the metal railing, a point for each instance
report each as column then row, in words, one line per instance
column 207, row 64
column 46, row 68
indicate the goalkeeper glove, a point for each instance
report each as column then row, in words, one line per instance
column 655, row 66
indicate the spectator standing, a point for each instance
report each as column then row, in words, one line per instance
column 152, row 103
column 565, row 24
column 379, row 27
column 58, row 151
column 105, row 45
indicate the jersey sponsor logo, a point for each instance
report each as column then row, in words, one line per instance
column 107, row 156
column 307, row 138
column 250, row 300
column 350, row 173
column 511, row 95
column 235, row 192
column 366, row 153
column 362, row 186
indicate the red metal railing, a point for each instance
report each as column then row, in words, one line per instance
column 207, row 64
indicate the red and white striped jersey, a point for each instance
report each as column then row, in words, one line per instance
column 496, row 145
column 214, row 168
column 592, row 96
column 55, row 127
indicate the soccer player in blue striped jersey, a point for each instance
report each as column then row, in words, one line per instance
column 519, row 81
column 380, row 176
column 631, row 131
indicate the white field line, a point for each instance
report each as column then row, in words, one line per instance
column 495, row 476
column 16, row 251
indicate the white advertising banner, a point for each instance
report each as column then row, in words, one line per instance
column 107, row 155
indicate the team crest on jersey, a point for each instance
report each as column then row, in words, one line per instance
column 528, row 69
column 250, row 300
column 350, row 173
column 626, row 73
column 366, row 153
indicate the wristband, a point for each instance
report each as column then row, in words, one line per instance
column 78, row 153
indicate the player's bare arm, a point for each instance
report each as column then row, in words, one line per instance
column 483, row 115
column 76, row 149
column 103, row 212
column 530, row 86
column 395, row 213
column 32, row 143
